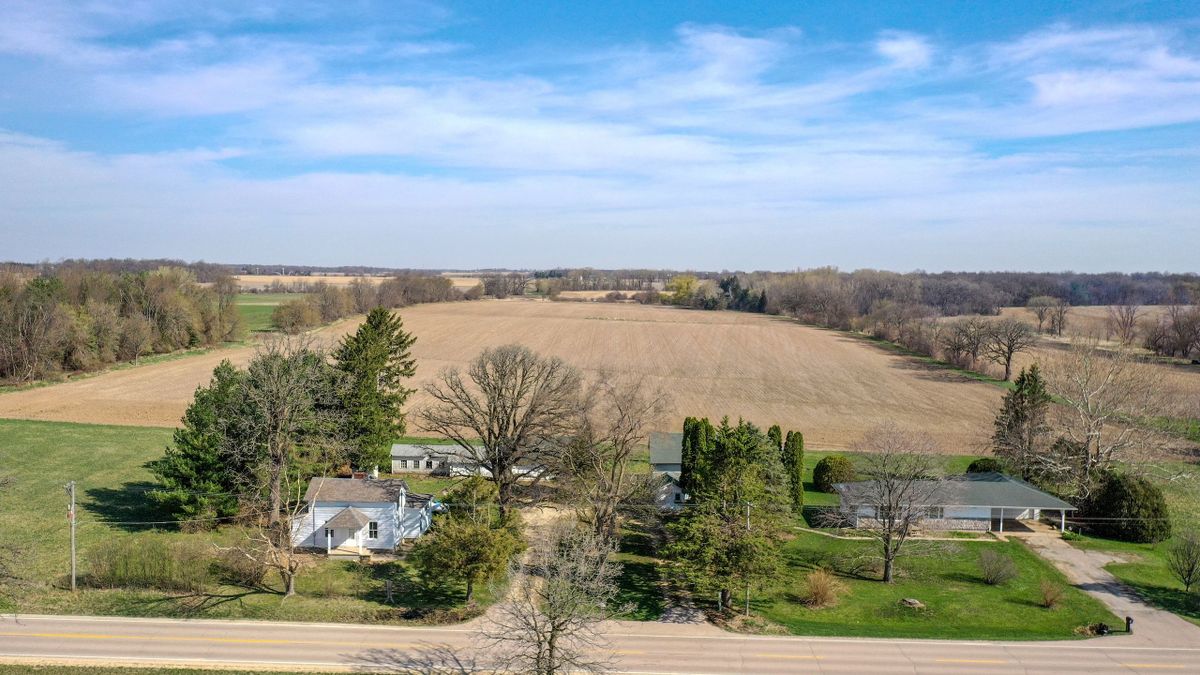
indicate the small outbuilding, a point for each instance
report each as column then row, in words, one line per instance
column 973, row 501
column 666, row 461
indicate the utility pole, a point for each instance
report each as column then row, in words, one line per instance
column 71, row 517
column 748, row 578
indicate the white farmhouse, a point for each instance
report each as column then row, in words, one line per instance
column 355, row 516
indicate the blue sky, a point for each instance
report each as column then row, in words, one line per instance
column 712, row 135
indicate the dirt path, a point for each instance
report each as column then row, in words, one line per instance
column 765, row 369
column 1085, row 569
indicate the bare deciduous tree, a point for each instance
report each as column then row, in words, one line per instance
column 288, row 399
column 291, row 426
column 550, row 624
column 1183, row 558
column 519, row 406
column 899, row 485
column 1041, row 306
column 1058, row 316
column 1122, row 322
column 1005, row 338
column 613, row 424
column 1108, row 401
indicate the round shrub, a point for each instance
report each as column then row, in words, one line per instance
column 830, row 470
column 986, row 465
column 1129, row 508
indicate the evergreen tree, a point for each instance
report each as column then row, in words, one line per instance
column 378, row 358
column 199, row 472
column 793, row 463
column 695, row 458
column 738, row 476
column 1020, row 426
column 776, row 435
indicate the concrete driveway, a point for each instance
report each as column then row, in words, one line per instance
column 1085, row 569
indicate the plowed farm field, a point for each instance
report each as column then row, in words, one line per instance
column 830, row 385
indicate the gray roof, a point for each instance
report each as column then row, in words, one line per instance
column 354, row 490
column 349, row 518
column 972, row 489
column 666, row 447
column 410, row 450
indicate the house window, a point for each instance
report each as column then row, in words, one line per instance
column 372, row 530
column 678, row 497
column 935, row 513
column 429, row 464
column 328, row 533
column 404, row 464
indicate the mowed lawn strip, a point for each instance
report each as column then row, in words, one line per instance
column 256, row 308
column 108, row 464
column 942, row 575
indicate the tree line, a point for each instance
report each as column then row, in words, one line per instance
column 324, row 302
column 78, row 319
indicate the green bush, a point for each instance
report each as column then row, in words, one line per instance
column 149, row 561
column 832, row 469
column 1128, row 508
column 986, row 465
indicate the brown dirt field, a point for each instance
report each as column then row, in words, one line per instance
column 587, row 295
column 830, row 385
column 262, row 281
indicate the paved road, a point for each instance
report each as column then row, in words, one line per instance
column 642, row 649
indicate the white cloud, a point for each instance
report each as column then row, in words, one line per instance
column 721, row 148
column 905, row 51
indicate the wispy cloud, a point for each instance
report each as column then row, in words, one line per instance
column 822, row 148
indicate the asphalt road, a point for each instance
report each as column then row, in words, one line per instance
column 643, row 649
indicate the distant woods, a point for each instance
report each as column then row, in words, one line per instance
column 80, row 319
column 323, row 302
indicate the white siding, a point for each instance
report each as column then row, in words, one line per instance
column 309, row 530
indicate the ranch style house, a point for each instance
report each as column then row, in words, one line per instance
column 355, row 516
column 973, row 501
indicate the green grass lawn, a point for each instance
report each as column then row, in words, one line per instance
column 256, row 308
column 946, row 578
column 1145, row 567
column 641, row 587
column 108, row 465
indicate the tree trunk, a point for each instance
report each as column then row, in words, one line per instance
column 726, row 599
column 887, row 570
column 289, row 582
column 1007, row 369
column 470, row 589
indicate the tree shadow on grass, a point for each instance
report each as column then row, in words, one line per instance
column 126, row 507
column 1171, row 599
column 195, row 604
column 639, row 586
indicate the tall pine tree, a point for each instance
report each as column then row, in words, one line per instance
column 793, row 464
column 1021, row 429
column 738, row 482
column 378, row 358
column 200, row 471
